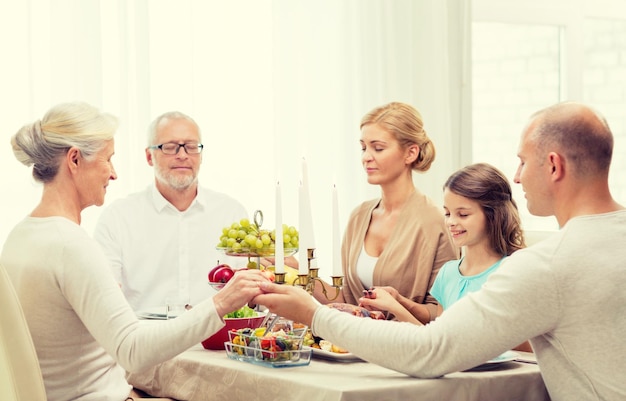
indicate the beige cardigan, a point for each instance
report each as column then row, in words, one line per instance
column 419, row 245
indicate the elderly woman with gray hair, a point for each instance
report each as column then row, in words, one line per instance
column 85, row 333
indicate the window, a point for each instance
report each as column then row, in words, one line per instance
column 537, row 54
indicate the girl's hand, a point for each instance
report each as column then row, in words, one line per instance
column 392, row 291
column 379, row 299
column 382, row 299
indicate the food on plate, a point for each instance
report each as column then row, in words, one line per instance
column 244, row 237
column 338, row 350
column 317, row 342
column 312, row 341
column 328, row 346
column 221, row 273
column 357, row 310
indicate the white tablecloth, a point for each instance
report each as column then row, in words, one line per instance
column 202, row 375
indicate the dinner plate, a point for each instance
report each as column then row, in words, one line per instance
column 508, row 356
column 153, row 313
column 333, row 356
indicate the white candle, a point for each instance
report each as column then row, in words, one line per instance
column 308, row 216
column 336, row 236
column 279, row 251
column 303, row 231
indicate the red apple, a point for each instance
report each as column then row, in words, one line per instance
column 221, row 273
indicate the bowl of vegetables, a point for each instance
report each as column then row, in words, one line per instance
column 245, row 317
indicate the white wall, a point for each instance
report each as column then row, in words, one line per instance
column 268, row 85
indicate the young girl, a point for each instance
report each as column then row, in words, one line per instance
column 483, row 220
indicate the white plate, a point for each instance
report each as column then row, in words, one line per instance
column 333, row 356
column 508, row 356
column 153, row 314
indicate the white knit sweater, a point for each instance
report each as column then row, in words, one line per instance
column 567, row 294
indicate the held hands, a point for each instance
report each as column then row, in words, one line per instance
column 239, row 291
column 386, row 299
column 287, row 301
column 379, row 299
column 392, row 291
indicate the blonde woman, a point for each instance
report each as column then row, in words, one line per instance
column 399, row 240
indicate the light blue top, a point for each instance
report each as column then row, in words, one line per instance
column 450, row 285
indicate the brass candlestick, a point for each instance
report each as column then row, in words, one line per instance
column 308, row 281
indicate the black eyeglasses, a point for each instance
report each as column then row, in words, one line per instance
column 172, row 148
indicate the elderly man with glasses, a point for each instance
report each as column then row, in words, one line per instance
column 161, row 241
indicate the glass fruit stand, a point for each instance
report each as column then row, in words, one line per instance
column 249, row 239
column 269, row 347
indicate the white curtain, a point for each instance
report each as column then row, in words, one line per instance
column 269, row 82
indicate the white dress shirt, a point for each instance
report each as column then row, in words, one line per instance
column 157, row 251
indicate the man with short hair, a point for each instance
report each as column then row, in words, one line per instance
column 565, row 293
column 161, row 241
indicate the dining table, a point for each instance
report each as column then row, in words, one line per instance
column 199, row 374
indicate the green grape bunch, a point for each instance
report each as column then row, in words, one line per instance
column 246, row 238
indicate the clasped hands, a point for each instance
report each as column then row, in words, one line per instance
column 379, row 298
column 250, row 286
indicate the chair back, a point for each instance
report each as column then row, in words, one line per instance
column 20, row 374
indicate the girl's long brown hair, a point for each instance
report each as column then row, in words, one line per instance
column 487, row 185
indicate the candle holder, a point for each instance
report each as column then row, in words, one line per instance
column 309, row 280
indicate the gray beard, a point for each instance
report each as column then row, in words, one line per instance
column 175, row 182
